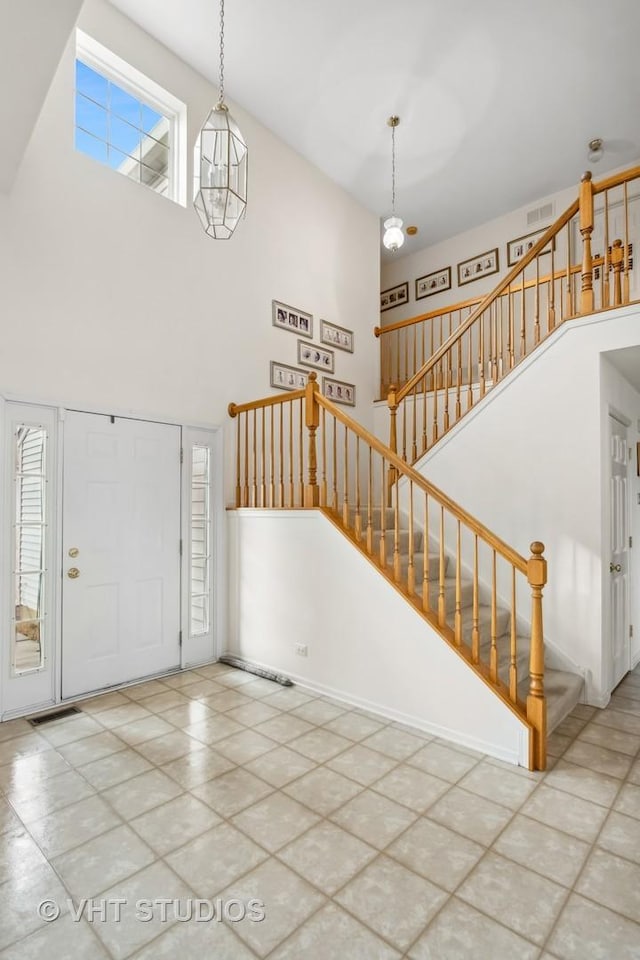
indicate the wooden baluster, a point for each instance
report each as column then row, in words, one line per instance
column 245, row 489
column 424, row 413
column 458, row 379
column 536, row 319
column 414, row 434
column 345, row 480
column 426, row 600
column 493, row 657
column 405, row 336
column 404, row 430
column 254, row 488
column 397, row 339
column 301, row 453
column 411, row 573
column 606, row 293
column 523, row 321
column 439, row 379
column 272, row 459
column 442, row 601
column 432, row 348
column 358, row 523
column 470, row 370
column 281, row 437
column 586, row 229
column 445, row 425
column 397, row 570
column 475, row 615
column 383, row 516
column 481, row 354
column 627, row 247
column 415, row 351
column 449, row 361
column 323, row 482
column 511, row 333
column 569, row 302
column 291, row 457
column 422, row 325
column 263, row 464
column 370, row 505
column 312, row 421
column 513, row 656
column 434, row 433
column 617, row 260
column 551, row 307
column 458, row 613
column 536, row 701
column 492, row 341
column 392, row 403
column 500, row 366
column 334, row 475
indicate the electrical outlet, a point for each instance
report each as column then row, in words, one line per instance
column 302, row 649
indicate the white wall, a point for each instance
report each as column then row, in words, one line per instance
column 528, row 463
column 299, row 580
column 114, row 298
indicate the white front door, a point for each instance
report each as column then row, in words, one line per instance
column 121, row 551
column 618, row 559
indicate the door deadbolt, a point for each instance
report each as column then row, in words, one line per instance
column 74, row 552
column 617, row 567
column 73, row 573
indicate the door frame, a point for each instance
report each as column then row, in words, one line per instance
column 608, row 646
column 215, row 433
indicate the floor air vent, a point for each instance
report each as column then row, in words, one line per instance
column 50, row 717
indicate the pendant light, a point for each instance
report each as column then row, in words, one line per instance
column 220, row 165
column 393, row 237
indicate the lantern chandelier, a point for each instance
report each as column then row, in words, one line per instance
column 220, row 165
column 393, row 237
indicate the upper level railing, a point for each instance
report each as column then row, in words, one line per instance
column 300, row 450
column 557, row 280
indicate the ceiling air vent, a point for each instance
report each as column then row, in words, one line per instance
column 545, row 212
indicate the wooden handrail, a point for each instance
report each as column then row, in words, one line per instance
column 235, row 408
column 617, row 180
column 504, row 284
column 509, row 554
column 380, row 331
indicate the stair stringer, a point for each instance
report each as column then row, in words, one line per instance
column 371, row 646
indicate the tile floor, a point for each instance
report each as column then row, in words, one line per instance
column 364, row 839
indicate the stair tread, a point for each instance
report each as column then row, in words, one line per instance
column 562, row 690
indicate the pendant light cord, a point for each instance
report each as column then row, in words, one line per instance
column 221, row 72
column 393, row 169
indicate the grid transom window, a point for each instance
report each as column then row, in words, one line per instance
column 125, row 121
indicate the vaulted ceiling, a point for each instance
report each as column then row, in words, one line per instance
column 497, row 99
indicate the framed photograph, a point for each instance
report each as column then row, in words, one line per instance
column 517, row 248
column 436, row 282
column 291, row 319
column 309, row 355
column 336, row 336
column 477, row 267
column 284, row 377
column 394, row 297
column 339, row 391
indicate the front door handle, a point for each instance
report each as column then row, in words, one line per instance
column 617, row 567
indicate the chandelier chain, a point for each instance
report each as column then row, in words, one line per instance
column 393, row 169
column 221, row 74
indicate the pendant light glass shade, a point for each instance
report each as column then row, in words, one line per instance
column 393, row 237
column 220, row 173
column 220, row 165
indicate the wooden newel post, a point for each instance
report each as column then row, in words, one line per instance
column 233, row 412
column 617, row 261
column 312, row 421
column 393, row 439
column 586, row 229
column 536, row 701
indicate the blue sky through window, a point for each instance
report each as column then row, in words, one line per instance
column 111, row 125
